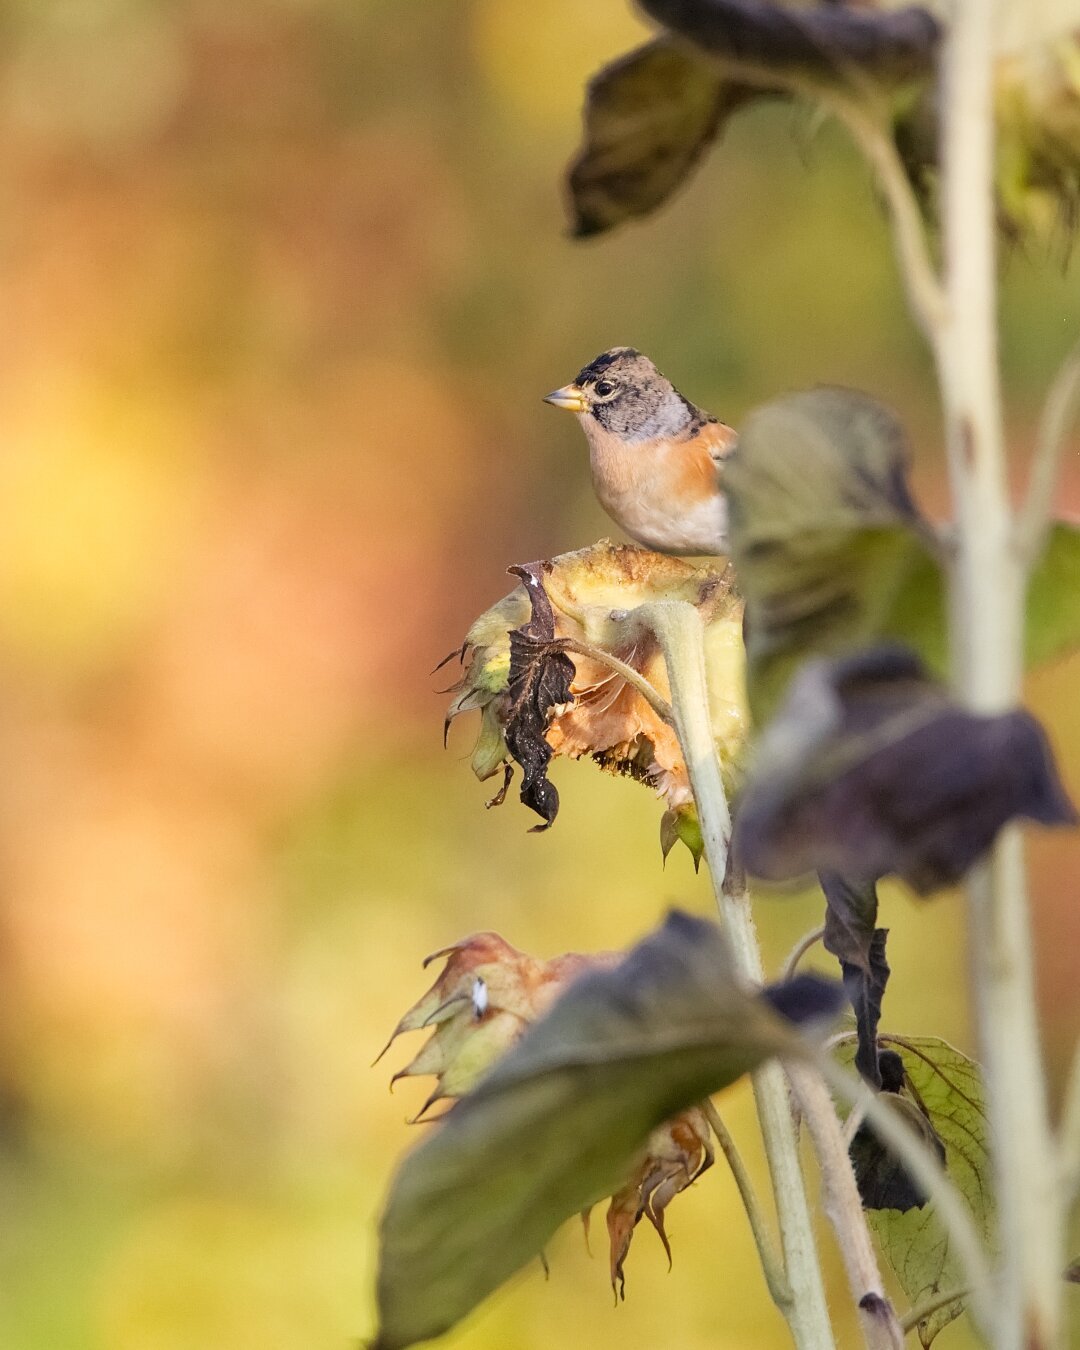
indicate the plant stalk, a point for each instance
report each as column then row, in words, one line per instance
column 678, row 628
column 987, row 613
column 843, row 1205
column 771, row 1264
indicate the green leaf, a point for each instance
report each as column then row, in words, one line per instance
column 648, row 119
column 949, row 1087
column 829, row 547
column 832, row 553
column 558, row 1122
column 1053, row 600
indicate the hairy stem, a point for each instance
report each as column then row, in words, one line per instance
column 926, row 1171
column 678, row 627
column 843, row 1205
column 771, row 1263
column 987, row 610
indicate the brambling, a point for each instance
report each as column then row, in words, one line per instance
column 655, row 458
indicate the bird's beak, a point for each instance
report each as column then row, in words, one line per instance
column 569, row 397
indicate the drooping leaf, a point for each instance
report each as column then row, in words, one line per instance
column 948, row 1087
column 828, row 545
column 826, row 43
column 852, row 937
column 871, row 769
column 649, row 117
column 588, row 595
column 486, row 996
column 832, row 553
column 559, row 1121
column 882, row 1179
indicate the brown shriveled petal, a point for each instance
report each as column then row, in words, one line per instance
column 507, row 976
column 676, row 1155
column 486, row 995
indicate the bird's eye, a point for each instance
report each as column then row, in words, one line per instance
column 604, row 388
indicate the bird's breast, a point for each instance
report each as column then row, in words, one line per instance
column 664, row 495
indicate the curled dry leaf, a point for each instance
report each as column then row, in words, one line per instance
column 882, row 1179
column 539, row 700
column 850, row 777
column 486, row 995
column 675, row 1156
column 571, row 1112
column 854, row 46
column 649, row 117
column 852, row 937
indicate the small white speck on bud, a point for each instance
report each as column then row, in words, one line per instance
column 479, row 998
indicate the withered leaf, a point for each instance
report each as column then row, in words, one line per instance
column 559, row 1121
column 677, row 1153
column 870, row 768
column 648, row 119
column 539, row 680
column 852, row 937
column 882, row 1179
column 944, row 1088
column 827, row 43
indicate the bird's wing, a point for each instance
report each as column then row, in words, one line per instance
column 719, row 440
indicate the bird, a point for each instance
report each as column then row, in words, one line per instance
column 656, row 458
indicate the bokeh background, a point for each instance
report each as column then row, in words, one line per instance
column 281, row 284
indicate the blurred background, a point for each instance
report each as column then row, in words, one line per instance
column 281, row 285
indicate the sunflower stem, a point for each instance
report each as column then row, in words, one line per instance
column 678, row 627
column 988, row 607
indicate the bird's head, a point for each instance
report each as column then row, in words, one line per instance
column 623, row 393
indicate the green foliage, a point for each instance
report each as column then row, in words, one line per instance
column 557, row 1124
column 832, row 552
column 948, row 1086
column 1053, row 599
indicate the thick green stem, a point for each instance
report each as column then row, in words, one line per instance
column 987, row 625
column 678, row 627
